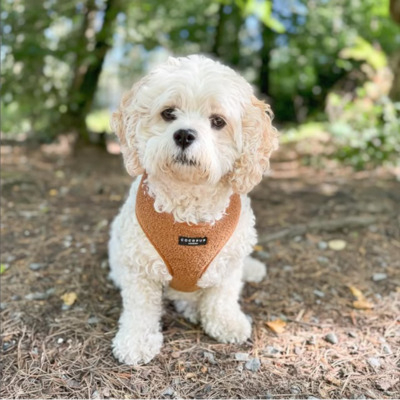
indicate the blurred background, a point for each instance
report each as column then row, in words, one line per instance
column 326, row 66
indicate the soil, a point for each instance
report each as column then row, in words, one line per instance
column 56, row 210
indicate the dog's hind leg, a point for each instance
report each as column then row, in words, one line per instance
column 253, row 270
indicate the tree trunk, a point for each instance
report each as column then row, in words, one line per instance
column 219, row 32
column 236, row 22
column 395, row 10
column 88, row 68
column 82, row 43
column 395, row 59
column 268, row 38
column 226, row 44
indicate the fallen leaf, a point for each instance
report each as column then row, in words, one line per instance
column 204, row 369
column 69, row 298
column 356, row 293
column 277, row 326
column 53, row 192
column 101, row 224
column 59, row 174
column 115, row 197
column 363, row 305
column 337, row 245
column 257, row 247
column 190, row 375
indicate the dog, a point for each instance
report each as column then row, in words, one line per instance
column 198, row 140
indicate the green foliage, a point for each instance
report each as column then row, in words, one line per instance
column 366, row 128
column 361, row 50
column 99, row 121
column 297, row 52
column 36, row 59
column 310, row 64
column 45, row 44
column 263, row 11
column 303, row 132
column 3, row 269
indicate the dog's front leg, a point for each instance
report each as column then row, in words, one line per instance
column 220, row 313
column 139, row 338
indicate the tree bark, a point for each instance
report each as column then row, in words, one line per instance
column 226, row 44
column 219, row 32
column 236, row 22
column 82, row 42
column 395, row 59
column 88, row 68
column 395, row 10
column 265, row 55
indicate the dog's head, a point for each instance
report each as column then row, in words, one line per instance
column 196, row 120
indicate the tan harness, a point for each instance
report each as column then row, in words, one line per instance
column 187, row 250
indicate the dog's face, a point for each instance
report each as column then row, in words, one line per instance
column 195, row 120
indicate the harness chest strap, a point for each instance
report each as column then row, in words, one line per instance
column 187, row 250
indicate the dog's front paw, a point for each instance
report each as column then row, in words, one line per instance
column 227, row 327
column 133, row 349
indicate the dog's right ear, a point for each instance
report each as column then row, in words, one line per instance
column 124, row 122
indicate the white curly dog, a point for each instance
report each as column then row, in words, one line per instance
column 197, row 131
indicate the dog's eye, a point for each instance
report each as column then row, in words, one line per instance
column 217, row 122
column 168, row 114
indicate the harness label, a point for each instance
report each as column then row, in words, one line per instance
column 190, row 241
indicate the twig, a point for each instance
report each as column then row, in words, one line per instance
column 321, row 225
column 309, row 323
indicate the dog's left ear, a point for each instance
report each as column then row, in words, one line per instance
column 260, row 139
column 124, row 122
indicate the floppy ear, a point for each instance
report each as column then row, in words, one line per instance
column 124, row 122
column 260, row 139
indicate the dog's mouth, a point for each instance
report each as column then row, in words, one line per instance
column 182, row 159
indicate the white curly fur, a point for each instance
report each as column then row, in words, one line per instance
column 224, row 161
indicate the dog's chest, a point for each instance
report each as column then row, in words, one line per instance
column 187, row 250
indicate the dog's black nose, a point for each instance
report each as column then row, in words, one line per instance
column 184, row 137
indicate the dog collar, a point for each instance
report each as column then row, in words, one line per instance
column 187, row 250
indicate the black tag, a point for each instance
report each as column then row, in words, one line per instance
column 190, row 241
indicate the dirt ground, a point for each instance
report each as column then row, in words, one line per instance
column 56, row 212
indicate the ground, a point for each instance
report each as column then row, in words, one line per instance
column 56, row 210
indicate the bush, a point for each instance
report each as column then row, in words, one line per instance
column 365, row 126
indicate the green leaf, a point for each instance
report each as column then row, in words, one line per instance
column 3, row 269
column 99, row 121
column 263, row 11
column 364, row 51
